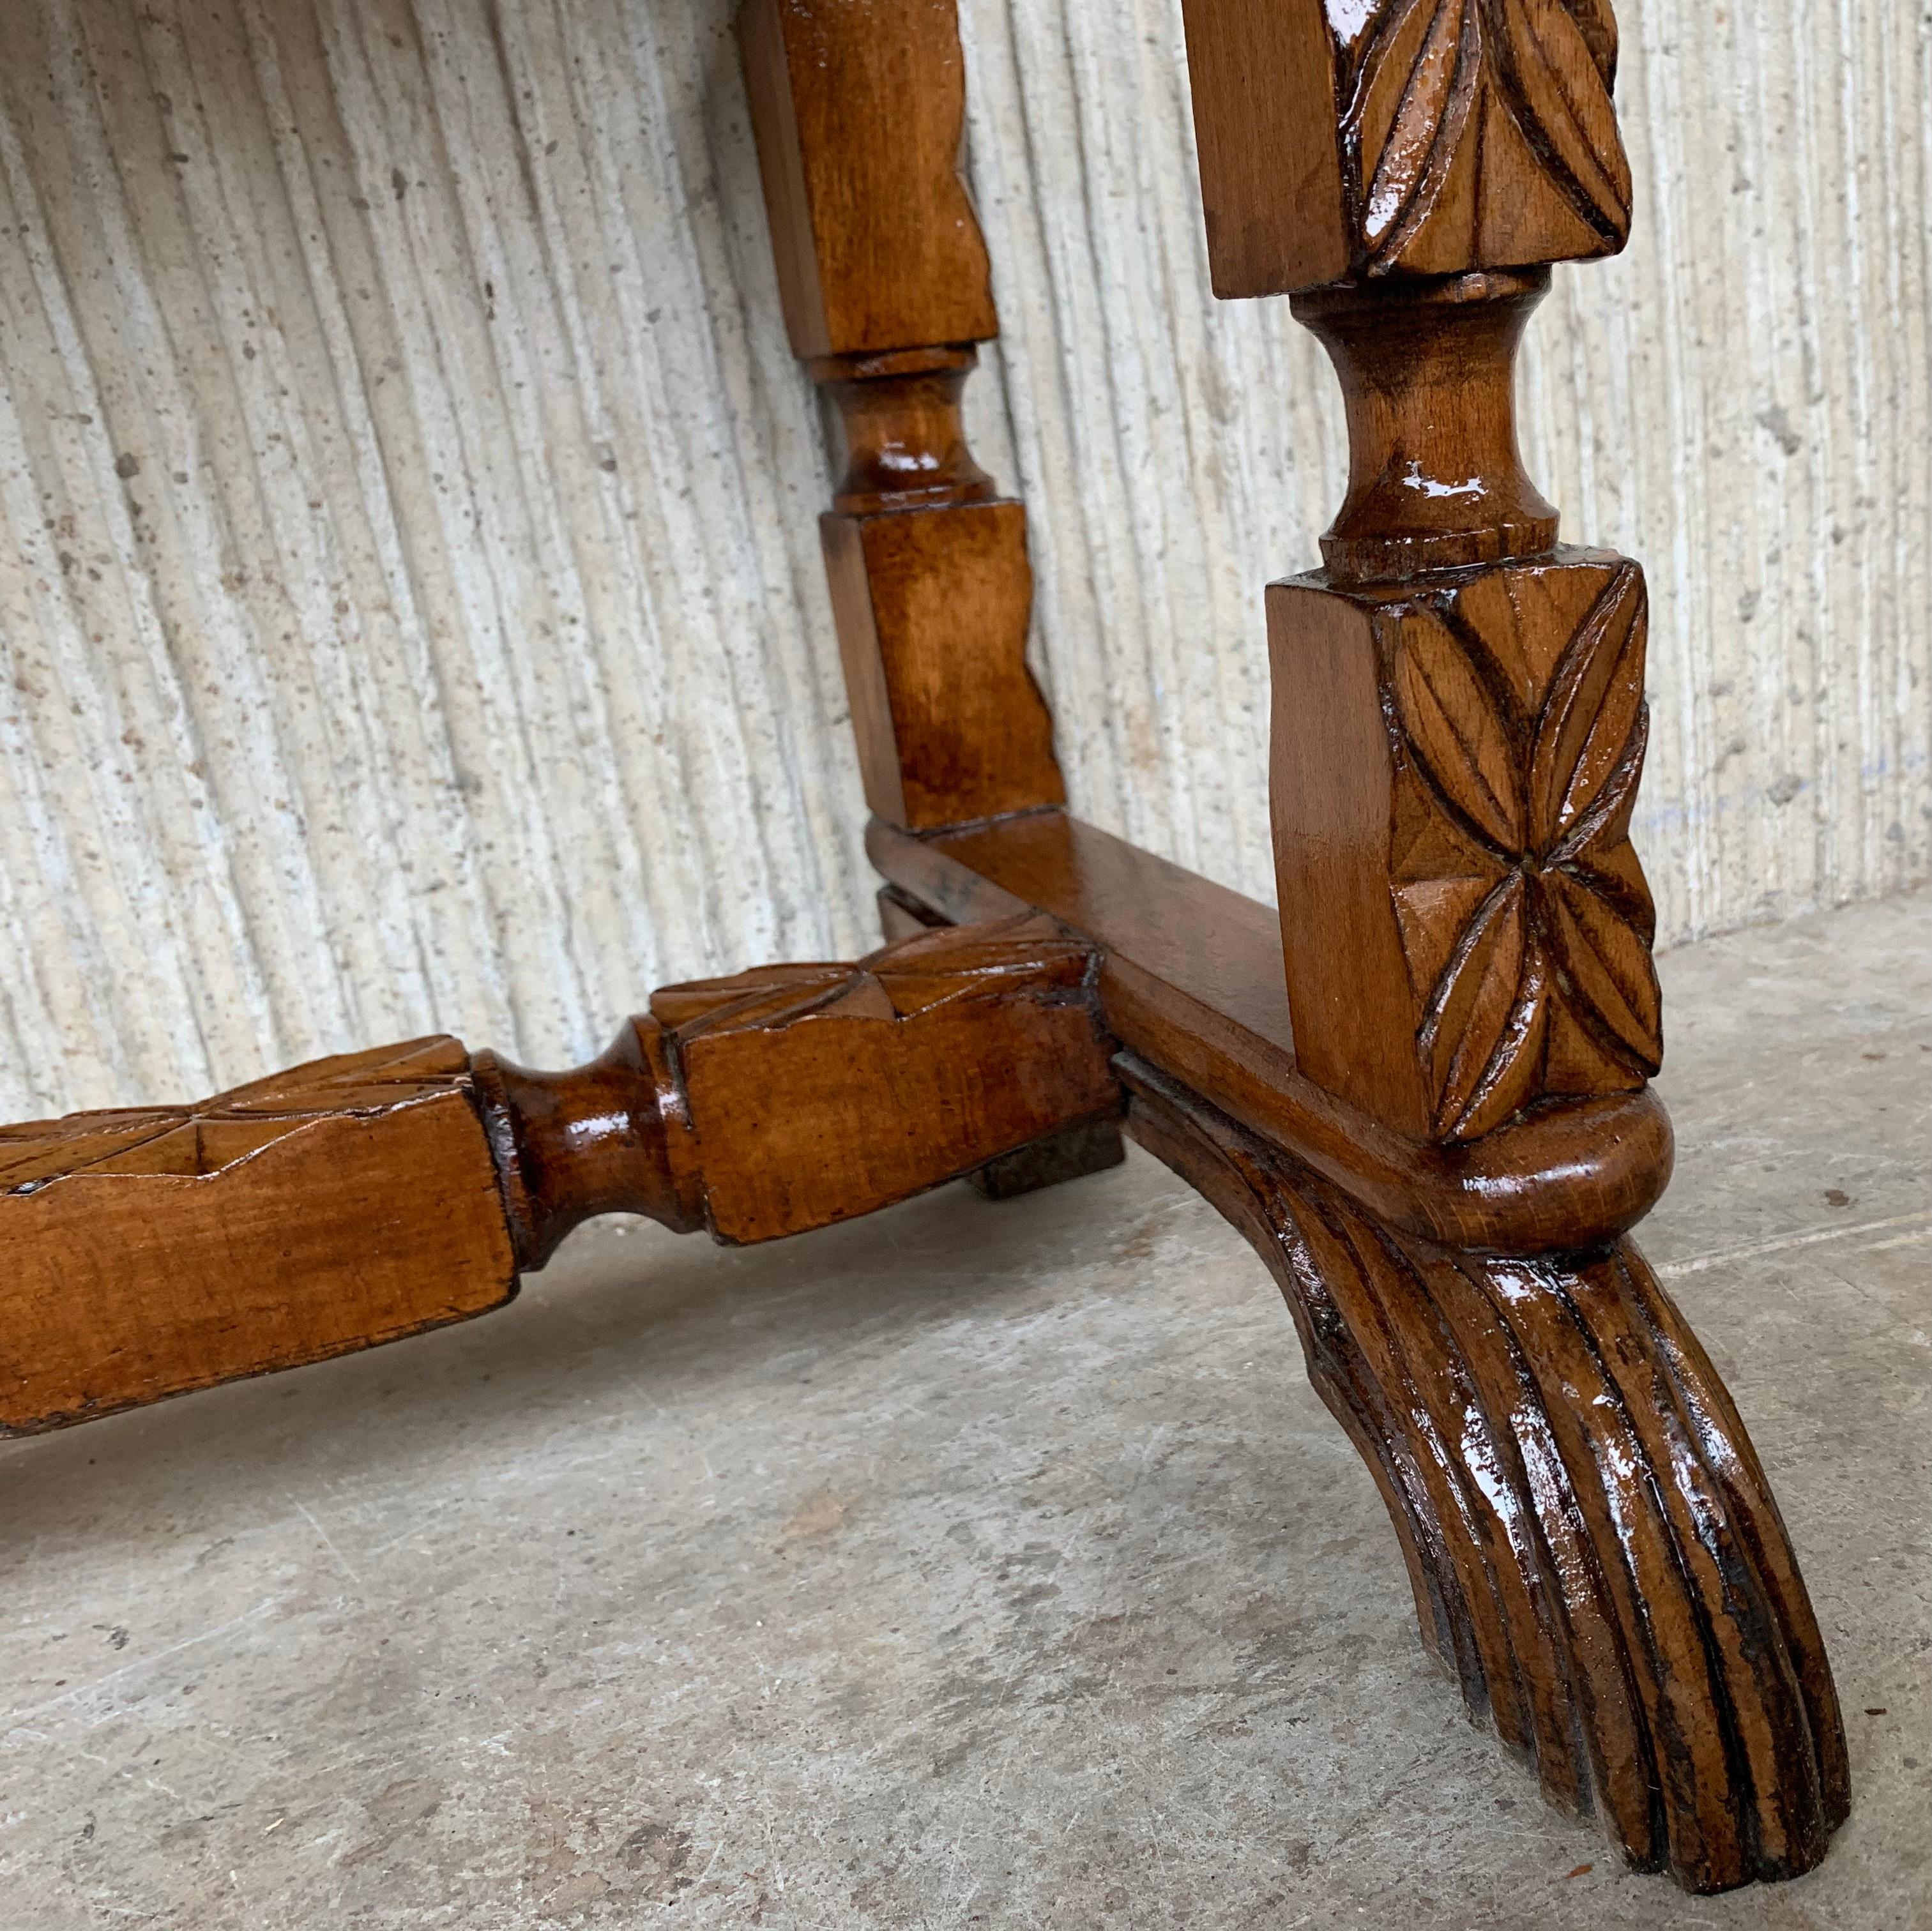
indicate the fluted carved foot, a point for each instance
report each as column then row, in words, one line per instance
column 1594, row 1549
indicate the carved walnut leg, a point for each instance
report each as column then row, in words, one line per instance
column 884, row 277
column 367, row 1197
column 1420, row 1091
column 1459, row 732
column 1594, row 1553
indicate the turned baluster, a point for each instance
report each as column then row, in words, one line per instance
column 886, row 286
column 1459, row 728
column 884, row 278
column 372, row 1196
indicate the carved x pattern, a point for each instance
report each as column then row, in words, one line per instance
column 1521, row 726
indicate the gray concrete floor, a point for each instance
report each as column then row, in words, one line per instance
column 973, row 1564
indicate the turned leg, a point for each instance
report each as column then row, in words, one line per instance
column 364, row 1198
column 1458, row 731
column 884, row 280
column 1420, row 1091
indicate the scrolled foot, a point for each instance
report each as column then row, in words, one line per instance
column 1595, row 1552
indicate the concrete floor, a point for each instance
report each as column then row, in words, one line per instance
column 972, row 1564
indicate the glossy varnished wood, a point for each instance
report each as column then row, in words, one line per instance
column 1459, row 730
column 1193, row 981
column 813, row 1094
column 932, row 609
column 1467, row 928
column 594, row 1139
column 860, row 111
column 331, row 1207
column 362, row 1199
column 1428, row 377
column 1595, row 1555
column 1213, row 946
column 792, row 1096
column 1403, row 137
column 902, row 442
column 1421, row 1090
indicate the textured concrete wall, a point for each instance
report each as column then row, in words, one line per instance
column 410, row 612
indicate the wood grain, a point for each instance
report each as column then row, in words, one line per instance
column 1595, row 1556
column 341, row 1204
column 933, row 607
column 1457, row 742
column 793, row 1096
column 1428, row 377
column 484, row 799
column 1467, row 929
column 898, row 418
column 1192, row 981
column 1270, row 182
column 931, row 585
column 1424, row 137
column 876, row 243
column 813, row 1094
column 1070, row 1153
column 364, row 1199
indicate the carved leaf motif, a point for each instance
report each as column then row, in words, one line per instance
column 1557, row 94
column 1608, row 975
column 1598, row 26
column 1409, row 84
column 1591, row 715
column 1610, row 867
column 1542, row 776
column 1436, row 80
column 1484, row 1032
column 1463, row 743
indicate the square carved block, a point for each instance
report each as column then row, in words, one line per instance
column 1466, row 927
column 932, row 607
column 331, row 1207
column 815, row 1094
column 1413, row 137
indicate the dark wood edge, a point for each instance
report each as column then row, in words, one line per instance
column 1596, row 1557
column 1572, row 1174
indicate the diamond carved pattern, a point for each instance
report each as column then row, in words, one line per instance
column 1525, row 922
column 198, row 1141
column 897, row 982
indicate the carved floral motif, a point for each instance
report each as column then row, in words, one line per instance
column 1525, row 921
column 1481, row 131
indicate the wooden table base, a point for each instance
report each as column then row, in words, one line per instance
column 1420, row 1089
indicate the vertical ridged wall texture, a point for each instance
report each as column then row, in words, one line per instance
column 410, row 608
